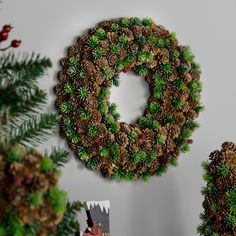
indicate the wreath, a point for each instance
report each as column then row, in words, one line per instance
column 90, row 123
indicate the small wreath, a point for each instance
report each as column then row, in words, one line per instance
column 90, row 122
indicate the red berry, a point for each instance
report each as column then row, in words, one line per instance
column 89, row 72
column 165, row 33
column 17, row 180
column 7, row 28
column 189, row 141
column 52, row 229
column 3, row 36
column 85, row 79
column 15, row 43
column 97, row 139
column 125, row 70
column 218, row 218
column 175, row 94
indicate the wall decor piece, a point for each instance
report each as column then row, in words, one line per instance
column 98, row 218
column 219, row 216
column 90, row 123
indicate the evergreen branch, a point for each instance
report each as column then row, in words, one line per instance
column 35, row 130
column 69, row 224
column 59, row 156
column 24, row 104
column 22, row 72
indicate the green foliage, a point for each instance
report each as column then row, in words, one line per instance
column 101, row 33
column 148, row 122
column 57, row 198
column 125, row 22
column 114, row 152
column 141, row 40
column 35, row 199
column 145, row 56
column 104, row 94
column 174, row 54
column 200, row 108
column 34, row 130
column 215, row 207
column 137, row 157
column 115, row 48
column 68, row 88
column 69, row 224
column 93, row 42
column 161, row 43
column 195, row 87
column 177, row 102
column 65, row 107
column 59, row 157
column 84, row 114
column 14, row 154
column 83, row 92
column 132, row 136
column 92, row 163
column 104, row 152
column 92, row 130
column 223, row 170
column 159, row 85
column 107, row 72
column 187, row 54
column 97, row 52
column 160, row 140
column 71, row 71
column 180, row 85
column 141, row 70
column 147, row 21
column 46, row 164
column 114, row 127
column 161, row 170
column 136, row 21
column 154, row 107
column 172, row 35
column 83, row 154
column 166, row 68
column 230, row 220
column 116, row 81
column 73, row 61
column 115, row 27
column 123, row 41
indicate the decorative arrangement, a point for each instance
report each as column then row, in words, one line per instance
column 98, row 218
column 91, row 124
column 30, row 201
column 219, row 217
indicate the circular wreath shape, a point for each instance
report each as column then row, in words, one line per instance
column 90, row 123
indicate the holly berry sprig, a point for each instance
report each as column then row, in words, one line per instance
column 4, row 34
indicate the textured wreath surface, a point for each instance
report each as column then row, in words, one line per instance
column 90, row 122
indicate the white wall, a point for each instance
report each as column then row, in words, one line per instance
column 170, row 205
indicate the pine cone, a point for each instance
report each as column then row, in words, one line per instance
column 122, row 139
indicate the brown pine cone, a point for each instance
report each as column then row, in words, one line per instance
column 128, row 33
column 40, row 183
column 113, row 37
column 87, row 141
column 122, row 139
column 124, row 156
column 102, row 130
column 102, row 62
column 91, row 102
column 81, row 126
column 137, row 30
column 96, row 117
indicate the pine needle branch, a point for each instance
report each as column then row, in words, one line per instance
column 35, row 130
column 24, row 105
column 59, row 156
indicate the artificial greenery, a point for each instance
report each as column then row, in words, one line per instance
column 219, row 216
column 90, row 122
column 23, row 126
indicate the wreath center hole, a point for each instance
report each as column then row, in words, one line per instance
column 131, row 96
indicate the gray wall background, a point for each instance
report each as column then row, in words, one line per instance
column 170, row 205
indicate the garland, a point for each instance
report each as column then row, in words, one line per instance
column 219, row 217
column 90, row 123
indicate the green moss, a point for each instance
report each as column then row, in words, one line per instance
column 147, row 21
column 46, row 164
column 132, row 136
column 83, row 92
column 35, row 199
column 14, row 154
column 101, row 33
column 93, row 42
column 154, row 107
column 65, row 107
column 92, row 130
